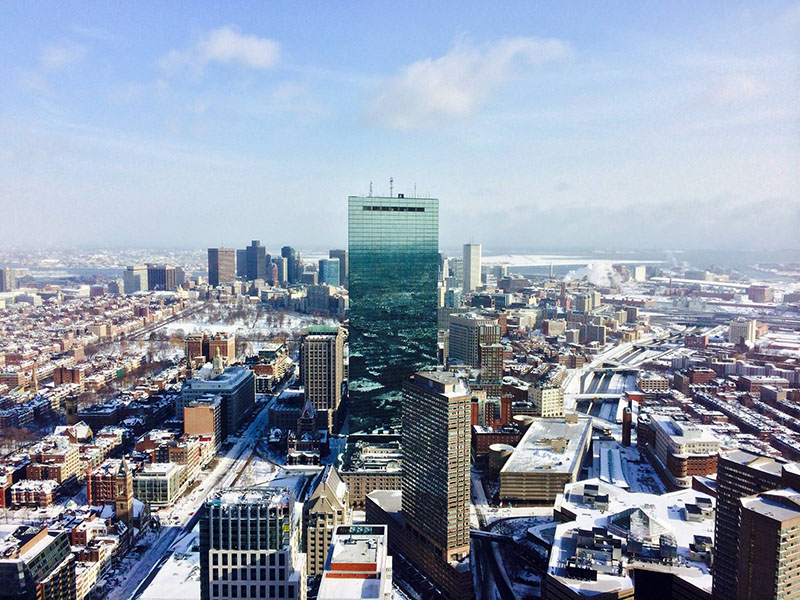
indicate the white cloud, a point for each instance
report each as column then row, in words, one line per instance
column 225, row 45
column 58, row 56
column 456, row 84
column 736, row 88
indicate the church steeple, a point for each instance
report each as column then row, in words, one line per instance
column 123, row 493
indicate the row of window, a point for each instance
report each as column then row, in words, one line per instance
column 240, row 591
column 262, row 559
column 255, row 574
column 395, row 208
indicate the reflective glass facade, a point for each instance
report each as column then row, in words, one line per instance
column 394, row 262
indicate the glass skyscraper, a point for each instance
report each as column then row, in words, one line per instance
column 329, row 271
column 394, row 262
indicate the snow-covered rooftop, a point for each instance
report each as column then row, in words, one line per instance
column 552, row 444
column 648, row 516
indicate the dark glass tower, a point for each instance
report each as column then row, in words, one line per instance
column 256, row 261
column 394, row 262
column 293, row 266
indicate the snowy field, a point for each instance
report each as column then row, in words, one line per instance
column 250, row 321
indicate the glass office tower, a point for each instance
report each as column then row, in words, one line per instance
column 394, row 262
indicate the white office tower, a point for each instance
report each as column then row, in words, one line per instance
column 358, row 565
column 472, row 267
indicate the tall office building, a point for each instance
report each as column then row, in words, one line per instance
column 256, row 261
column 472, row 267
column 135, row 279
column 322, row 369
column 221, row 266
column 8, row 279
column 436, row 472
column 281, row 266
column 249, row 546
column 467, row 333
column 769, row 542
column 474, row 340
column 329, row 271
column 741, row 474
column 327, row 507
column 241, row 263
column 294, row 268
column 456, row 264
column 344, row 264
column 161, row 277
column 393, row 251
column 444, row 267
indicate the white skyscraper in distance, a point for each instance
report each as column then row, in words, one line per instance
column 472, row 266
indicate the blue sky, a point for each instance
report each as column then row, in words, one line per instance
column 643, row 124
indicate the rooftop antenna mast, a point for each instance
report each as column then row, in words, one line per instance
column 370, row 188
column 391, row 187
column 415, row 189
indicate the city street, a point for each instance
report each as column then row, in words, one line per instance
column 186, row 511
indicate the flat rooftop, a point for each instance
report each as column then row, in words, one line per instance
column 550, row 444
column 684, row 432
column 778, row 505
column 358, row 565
column 444, row 383
column 766, row 464
column 232, row 377
column 264, row 496
column 665, row 513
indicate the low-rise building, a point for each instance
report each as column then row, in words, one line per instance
column 615, row 544
column 650, row 383
column 158, row 484
column 548, row 400
column 37, row 563
column 358, row 565
column 370, row 466
column 683, row 449
column 33, row 493
column 548, row 456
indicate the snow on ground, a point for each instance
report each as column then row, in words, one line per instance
column 179, row 578
column 252, row 324
column 529, row 589
column 518, row 527
column 134, row 569
column 641, row 476
column 259, row 471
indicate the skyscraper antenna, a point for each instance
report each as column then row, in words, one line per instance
column 391, row 187
column 415, row 189
column 370, row 188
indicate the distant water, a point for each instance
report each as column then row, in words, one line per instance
column 738, row 260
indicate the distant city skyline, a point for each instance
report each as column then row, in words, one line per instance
column 603, row 125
